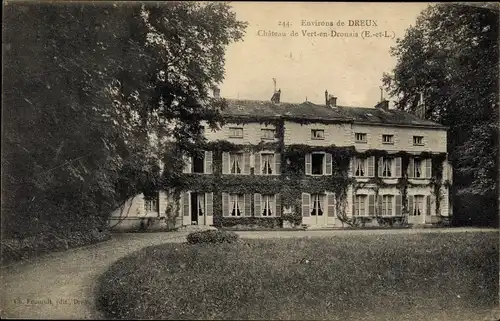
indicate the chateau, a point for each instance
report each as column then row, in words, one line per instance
column 277, row 164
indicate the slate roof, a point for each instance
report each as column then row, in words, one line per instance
column 310, row 111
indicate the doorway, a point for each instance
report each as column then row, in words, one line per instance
column 197, row 209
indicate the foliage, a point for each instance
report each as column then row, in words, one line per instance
column 451, row 56
column 233, row 281
column 212, row 236
column 87, row 88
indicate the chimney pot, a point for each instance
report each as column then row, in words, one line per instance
column 276, row 96
column 384, row 105
column 331, row 100
column 326, row 97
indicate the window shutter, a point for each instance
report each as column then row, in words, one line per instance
column 187, row 164
column 352, row 163
column 306, row 203
column 371, row 204
column 246, row 163
column 277, row 204
column 225, row 163
column 277, row 164
column 328, row 165
column 411, row 165
column 379, row 202
column 248, row 205
column 450, row 173
column 398, row 166
column 185, row 204
column 256, row 166
column 225, row 204
column 371, row 166
column 411, row 200
column 354, row 207
column 380, row 166
column 399, row 205
column 308, row 164
column 208, row 162
column 428, row 205
column 209, row 197
column 331, row 204
column 256, row 204
column 428, row 168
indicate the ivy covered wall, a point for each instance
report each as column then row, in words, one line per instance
column 293, row 181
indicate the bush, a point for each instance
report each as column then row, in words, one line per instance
column 212, row 236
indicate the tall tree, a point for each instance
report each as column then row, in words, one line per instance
column 86, row 86
column 451, row 57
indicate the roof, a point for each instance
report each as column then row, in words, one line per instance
column 310, row 111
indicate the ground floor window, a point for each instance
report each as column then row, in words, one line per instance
column 387, row 201
column 267, row 205
column 151, row 205
column 236, row 204
column 360, row 205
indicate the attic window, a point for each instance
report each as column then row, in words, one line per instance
column 317, row 134
column 418, row 140
column 388, row 139
column 236, row 132
column 360, row 137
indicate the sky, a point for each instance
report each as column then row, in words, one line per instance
column 304, row 66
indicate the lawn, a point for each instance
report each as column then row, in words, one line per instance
column 449, row 276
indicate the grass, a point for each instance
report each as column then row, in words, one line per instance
column 361, row 277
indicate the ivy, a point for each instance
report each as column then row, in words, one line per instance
column 293, row 181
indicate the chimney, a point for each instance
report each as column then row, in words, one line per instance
column 421, row 109
column 384, row 105
column 216, row 91
column 276, row 97
column 330, row 100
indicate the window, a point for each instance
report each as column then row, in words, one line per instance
column 418, row 140
column 267, row 205
column 360, row 167
column 360, row 205
column 267, row 164
column 387, row 201
column 386, row 167
column 317, row 205
column 317, row 163
column 236, row 204
column 317, row 134
column 151, row 205
column 267, row 133
column 236, row 163
column 418, row 207
column 360, row 137
column 198, row 163
column 417, row 168
column 236, row 132
column 388, row 139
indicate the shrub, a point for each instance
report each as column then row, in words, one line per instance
column 212, row 236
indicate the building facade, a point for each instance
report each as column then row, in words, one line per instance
column 277, row 164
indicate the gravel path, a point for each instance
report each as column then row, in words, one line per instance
column 60, row 285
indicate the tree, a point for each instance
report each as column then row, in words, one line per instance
column 451, row 57
column 86, row 86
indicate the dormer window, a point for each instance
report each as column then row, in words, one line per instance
column 360, row 137
column 388, row 139
column 236, row 132
column 418, row 140
column 317, row 134
column 268, row 133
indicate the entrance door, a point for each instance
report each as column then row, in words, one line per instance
column 318, row 211
column 197, row 208
column 416, row 213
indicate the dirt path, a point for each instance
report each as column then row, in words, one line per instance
column 60, row 285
